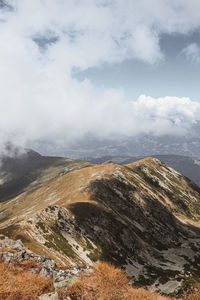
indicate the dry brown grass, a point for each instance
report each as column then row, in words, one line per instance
column 27, row 265
column 141, row 294
column 195, row 295
column 107, row 283
column 18, row 284
column 6, row 250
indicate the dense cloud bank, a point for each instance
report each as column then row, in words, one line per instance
column 42, row 42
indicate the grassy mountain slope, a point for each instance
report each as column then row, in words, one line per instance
column 143, row 217
column 20, row 172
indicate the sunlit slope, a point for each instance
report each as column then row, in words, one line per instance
column 62, row 190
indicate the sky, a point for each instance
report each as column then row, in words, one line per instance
column 177, row 74
column 104, row 68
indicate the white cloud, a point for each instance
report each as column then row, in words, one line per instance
column 40, row 99
column 192, row 52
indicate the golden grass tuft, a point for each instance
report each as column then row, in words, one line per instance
column 195, row 295
column 17, row 283
column 142, row 294
column 107, row 282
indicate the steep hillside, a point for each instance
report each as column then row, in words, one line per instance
column 143, row 217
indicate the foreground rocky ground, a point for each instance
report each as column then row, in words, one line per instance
column 15, row 253
column 25, row 275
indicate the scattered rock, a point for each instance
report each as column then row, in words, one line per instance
column 7, row 257
column 18, row 245
column 15, row 251
column 50, row 296
column 45, row 273
column 65, row 278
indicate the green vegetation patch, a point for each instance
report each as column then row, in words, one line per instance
column 5, row 217
column 59, row 243
column 89, row 245
column 10, row 231
column 95, row 255
column 42, row 226
column 23, row 238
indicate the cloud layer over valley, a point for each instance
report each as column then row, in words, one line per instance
column 43, row 42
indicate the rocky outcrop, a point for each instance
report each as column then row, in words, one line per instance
column 15, row 253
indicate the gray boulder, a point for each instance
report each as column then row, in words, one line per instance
column 49, row 296
column 18, row 245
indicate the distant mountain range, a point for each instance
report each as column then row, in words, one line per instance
column 141, row 145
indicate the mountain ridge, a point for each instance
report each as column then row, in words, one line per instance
column 143, row 217
column 188, row 166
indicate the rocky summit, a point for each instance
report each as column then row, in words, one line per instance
column 143, row 217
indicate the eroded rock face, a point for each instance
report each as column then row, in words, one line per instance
column 15, row 251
